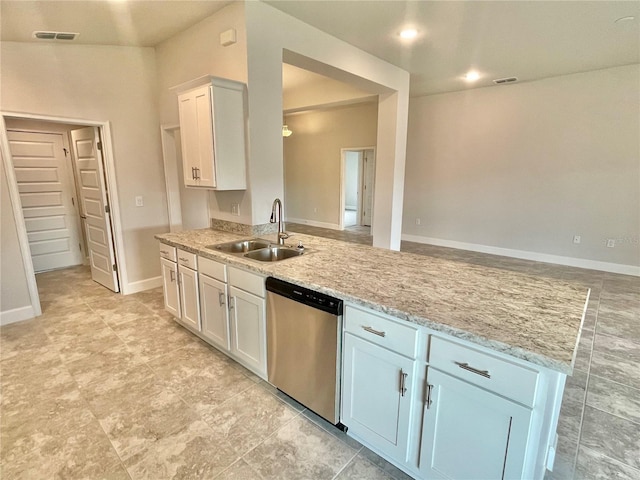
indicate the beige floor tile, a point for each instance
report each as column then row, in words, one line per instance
column 300, row 450
column 101, row 366
column 36, row 425
column 248, row 418
column 240, row 470
column 612, row 397
column 122, row 390
column 360, row 468
column 193, row 452
column 84, row 453
column 592, row 465
column 160, row 415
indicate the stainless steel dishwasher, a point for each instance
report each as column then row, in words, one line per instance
column 304, row 346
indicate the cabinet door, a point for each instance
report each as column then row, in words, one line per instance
column 470, row 433
column 170, row 287
column 196, row 134
column 375, row 405
column 189, row 297
column 214, row 312
column 248, row 330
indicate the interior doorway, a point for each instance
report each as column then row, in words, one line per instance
column 63, row 192
column 357, row 185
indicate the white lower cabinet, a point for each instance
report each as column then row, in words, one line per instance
column 377, row 396
column 248, row 329
column 189, row 297
column 170, row 287
column 214, row 311
column 470, row 433
column 468, row 412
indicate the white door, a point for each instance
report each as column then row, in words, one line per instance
column 94, row 206
column 47, row 191
column 375, row 405
column 248, row 330
column 368, row 180
column 189, row 297
column 470, row 433
column 214, row 312
column 170, row 287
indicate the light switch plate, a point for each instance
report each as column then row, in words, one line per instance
column 139, row 201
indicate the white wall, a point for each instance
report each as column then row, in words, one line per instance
column 269, row 34
column 98, row 83
column 525, row 167
column 194, row 53
column 15, row 301
column 312, row 159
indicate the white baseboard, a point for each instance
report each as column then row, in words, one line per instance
column 16, row 315
column 525, row 255
column 313, row 223
column 142, row 285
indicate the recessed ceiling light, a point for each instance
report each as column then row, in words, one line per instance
column 472, row 76
column 409, row 33
column 625, row 19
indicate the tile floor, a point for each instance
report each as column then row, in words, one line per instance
column 105, row 386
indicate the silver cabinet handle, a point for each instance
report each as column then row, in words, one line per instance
column 182, row 259
column 164, row 252
column 231, row 304
column 429, row 401
column 403, row 380
column 193, row 173
column 221, row 296
column 374, row 331
column 466, row 366
column 172, row 275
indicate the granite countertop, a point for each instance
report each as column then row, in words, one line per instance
column 531, row 318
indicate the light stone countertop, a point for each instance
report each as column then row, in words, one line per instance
column 531, row 318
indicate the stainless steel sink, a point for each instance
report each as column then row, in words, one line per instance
column 241, row 246
column 274, row 254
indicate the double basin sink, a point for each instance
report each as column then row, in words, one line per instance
column 258, row 249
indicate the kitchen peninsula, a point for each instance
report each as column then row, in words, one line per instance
column 451, row 318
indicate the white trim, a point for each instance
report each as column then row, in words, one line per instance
column 526, row 255
column 18, row 217
column 17, row 315
column 171, row 175
column 142, row 285
column 313, row 223
column 343, row 168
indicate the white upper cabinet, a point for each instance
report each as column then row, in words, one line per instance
column 213, row 133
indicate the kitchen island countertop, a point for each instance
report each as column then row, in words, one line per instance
column 528, row 317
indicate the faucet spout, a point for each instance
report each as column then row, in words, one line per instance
column 276, row 210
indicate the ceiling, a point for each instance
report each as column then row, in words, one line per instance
column 527, row 39
column 142, row 23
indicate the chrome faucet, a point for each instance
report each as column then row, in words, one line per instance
column 276, row 209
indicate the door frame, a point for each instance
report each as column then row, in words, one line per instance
column 343, row 175
column 112, row 194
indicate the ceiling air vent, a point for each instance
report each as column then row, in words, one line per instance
column 55, row 35
column 500, row 81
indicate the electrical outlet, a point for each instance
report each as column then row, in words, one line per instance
column 139, row 201
column 315, row 210
column 576, row 239
column 611, row 242
column 235, row 209
column 418, row 221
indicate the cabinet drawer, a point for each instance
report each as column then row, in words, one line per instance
column 498, row 375
column 247, row 281
column 393, row 335
column 187, row 259
column 212, row 269
column 168, row 252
